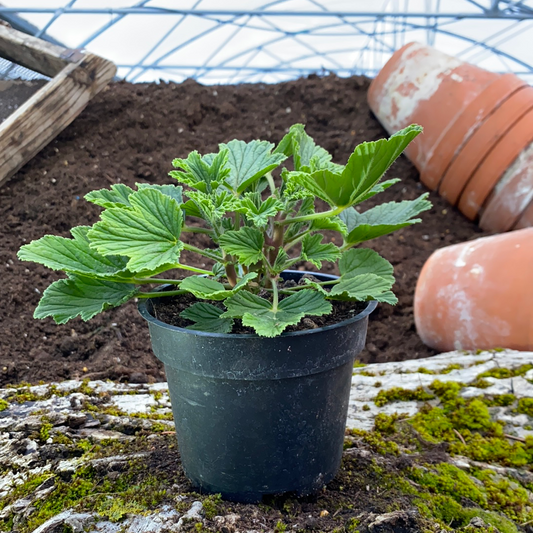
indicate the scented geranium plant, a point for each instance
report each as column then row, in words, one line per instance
column 258, row 229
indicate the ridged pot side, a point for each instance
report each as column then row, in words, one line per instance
column 255, row 415
column 480, row 144
column 467, row 123
column 422, row 85
column 511, row 196
column 478, row 294
column 494, row 166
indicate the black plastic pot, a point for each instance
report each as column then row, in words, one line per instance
column 254, row 415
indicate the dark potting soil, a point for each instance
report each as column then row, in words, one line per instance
column 131, row 133
column 168, row 310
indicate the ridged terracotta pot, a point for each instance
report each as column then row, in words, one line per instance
column 495, row 164
column 482, row 141
column 448, row 97
column 526, row 219
column 478, row 294
column 511, row 196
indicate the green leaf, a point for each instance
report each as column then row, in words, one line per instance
column 369, row 162
column 218, row 270
column 257, row 210
column 118, row 196
column 376, row 189
column 364, row 169
column 206, row 317
column 67, row 298
column 147, row 232
column 246, row 244
column 364, row 287
column 73, row 255
column 174, row 191
column 306, row 152
column 249, row 161
column 383, row 219
column 331, row 224
column 282, row 261
column 202, row 173
column 359, row 261
column 209, row 289
column 315, row 252
column 211, row 207
column 258, row 313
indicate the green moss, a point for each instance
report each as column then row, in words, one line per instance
column 366, row 407
column 499, row 400
column 365, row 373
column 358, row 364
column 502, row 373
column 3, row 405
column 211, row 505
column 44, row 432
column 525, row 406
column 424, row 370
column 449, row 480
column 397, row 394
column 480, row 383
column 451, row 367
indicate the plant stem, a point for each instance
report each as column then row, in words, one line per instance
column 205, row 253
column 144, row 295
column 313, row 216
column 193, row 229
column 274, row 295
column 144, row 281
column 271, row 183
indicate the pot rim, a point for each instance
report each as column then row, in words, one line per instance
column 142, row 306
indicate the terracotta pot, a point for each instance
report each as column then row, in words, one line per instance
column 422, row 85
column 480, row 143
column 511, row 196
column 466, row 124
column 526, row 219
column 493, row 167
column 478, row 294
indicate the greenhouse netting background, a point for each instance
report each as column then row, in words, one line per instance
column 270, row 41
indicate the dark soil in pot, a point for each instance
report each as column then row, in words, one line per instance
column 131, row 133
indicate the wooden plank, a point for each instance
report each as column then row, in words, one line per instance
column 24, row 133
column 31, row 52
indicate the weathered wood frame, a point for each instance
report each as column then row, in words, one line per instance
column 76, row 78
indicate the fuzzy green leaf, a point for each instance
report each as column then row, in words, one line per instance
column 209, row 289
column 315, row 252
column 383, row 219
column 369, row 162
column 147, row 232
column 206, row 317
column 67, row 298
column 258, row 313
column 331, row 224
column 202, row 173
column 211, row 207
column 305, row 151
column 117, row 196
column 364, row 169
column 378, row 188
column 249, row 161
column 174, row 191
column 246, row 244
column 364, row 287
column 257, row 210
column 73, row 255
column 359, row 261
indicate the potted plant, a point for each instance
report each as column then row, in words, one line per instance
column 263, row 410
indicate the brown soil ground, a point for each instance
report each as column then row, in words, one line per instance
column 131, row 133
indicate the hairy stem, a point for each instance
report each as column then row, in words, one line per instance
column 275, row 297
column 205, row 253
column 193, row 229
column 231, row 274
column 312, row 216
column 144, row 295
